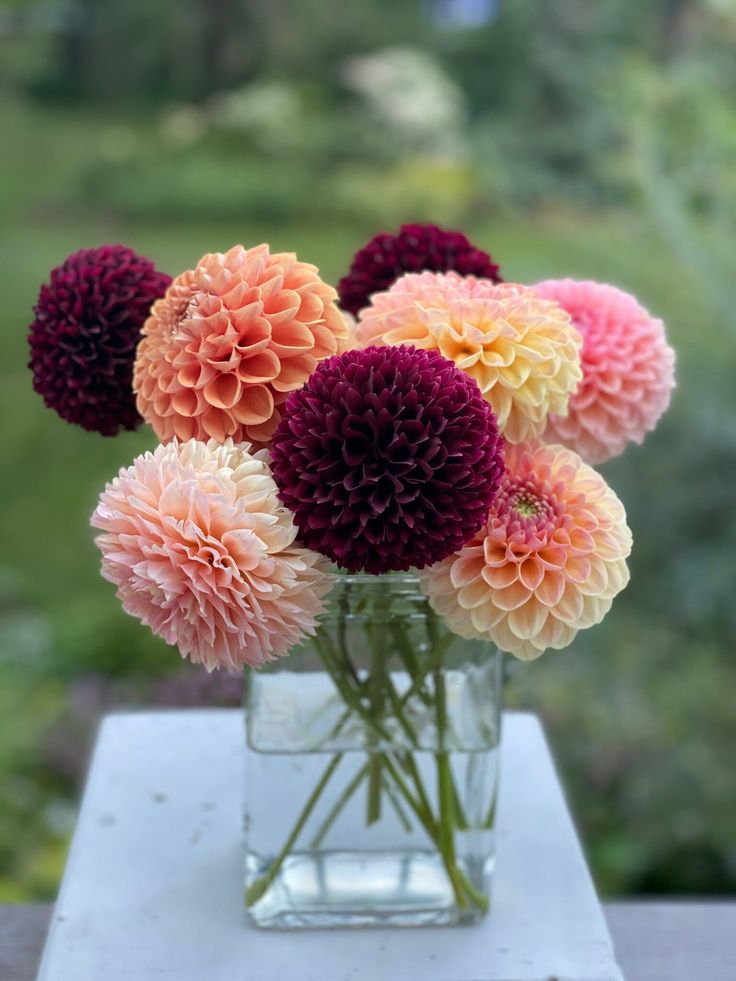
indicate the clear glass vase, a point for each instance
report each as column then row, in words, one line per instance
column 371, row 768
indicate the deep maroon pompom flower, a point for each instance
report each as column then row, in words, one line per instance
column 389, row 458
column 83, row 340
column 416, row 248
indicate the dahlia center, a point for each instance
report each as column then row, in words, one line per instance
column 181, row 312
column 526, row 505
column 527, row 509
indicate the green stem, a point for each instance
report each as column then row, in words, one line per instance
column 337, row 807
column 461, row 821
column 342, row 635
column 391, row 794
column 351, row 698
column 445, row 795
column 416, row 688
column 400, row 715
column 377, row 684
column 375, row 775
column 409, row 764
column 423, row 812
column 449, row 805
column 344, row 799
column 448, row 801
column 490, row 819
column 446, row 780
column 336, row 729
column 342, row 672
column 438, row 646
column 421, row 807
column 257, row 889
column 375, row 780
column 408, row 656
column 329, row 658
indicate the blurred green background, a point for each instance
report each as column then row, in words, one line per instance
column 567, row 138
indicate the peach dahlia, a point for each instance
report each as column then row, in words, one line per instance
column 548, row 562
column 202, row 552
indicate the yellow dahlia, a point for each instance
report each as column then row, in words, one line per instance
column 521, row 349
column 548, row 562
column 228, row 342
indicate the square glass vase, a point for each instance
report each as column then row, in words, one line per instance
column 371, row 768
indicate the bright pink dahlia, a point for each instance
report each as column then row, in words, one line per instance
column 416, row 247
column 628, row 370
column 83, row 340
column 388, row 457
column 201, row 551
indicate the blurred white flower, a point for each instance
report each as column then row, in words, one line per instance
column 410, row 93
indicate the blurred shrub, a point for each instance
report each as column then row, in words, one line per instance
column 200, row 186
column 420, row 187
column 33, row 828
column 200, row 183
column 681, row 122
column 380, row 156
column 532, row 86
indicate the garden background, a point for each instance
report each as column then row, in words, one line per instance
column 565, row 137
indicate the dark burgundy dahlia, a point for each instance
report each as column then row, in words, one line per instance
column 83, row 340
column 389, row 458
column 416, row 248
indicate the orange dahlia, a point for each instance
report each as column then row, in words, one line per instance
column 228, row 342
column 548, row 562
column 521, row 349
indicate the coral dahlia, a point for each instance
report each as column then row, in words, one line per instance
column 628, row 370
column 548, row 562
column 415, row 248
column 229, row 341
column 389, row 458
column 520, row 348
column 87, row 324
column 202, row 552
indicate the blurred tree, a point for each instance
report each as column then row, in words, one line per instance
column 138, row 50
column 677, row 25
column 188, row 50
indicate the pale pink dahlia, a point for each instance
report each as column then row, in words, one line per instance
column 201, row 550
column 521, row 349
column 548, row 562
column 228, row 342
column 628, row 370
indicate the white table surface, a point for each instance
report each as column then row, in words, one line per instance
column 153, row 887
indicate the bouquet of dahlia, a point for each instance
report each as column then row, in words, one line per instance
column 400, row 485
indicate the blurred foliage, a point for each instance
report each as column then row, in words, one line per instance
column 568, row 138
column 545, row 101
